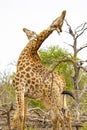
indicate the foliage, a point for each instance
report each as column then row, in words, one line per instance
column 83, row 103
column 51, row 56
column 83, row 81
column 35, row 103
column 7, row 94
column 84, row 126
column 29, row 128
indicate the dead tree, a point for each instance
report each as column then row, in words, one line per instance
column 77, row 63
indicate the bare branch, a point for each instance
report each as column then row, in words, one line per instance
column 76, row 30
column 84, row 46
column 83, row 26
column 78, row 35
column 82, row 61
column 70, row 29
column 38, row 108
column 69, row 44
column 2, row 91
column 68, row 59
column 82, row 92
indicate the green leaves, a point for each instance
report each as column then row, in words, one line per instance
column 35, row 103
column 51, row 56
column 84, row 126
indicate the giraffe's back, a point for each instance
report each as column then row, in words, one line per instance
column 37, row 82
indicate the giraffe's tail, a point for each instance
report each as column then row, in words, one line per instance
column 68, row 93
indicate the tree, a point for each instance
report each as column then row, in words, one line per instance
column 78, row 64
column 54, row 58
column 72, row 67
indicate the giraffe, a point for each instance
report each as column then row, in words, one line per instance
column 29, row 79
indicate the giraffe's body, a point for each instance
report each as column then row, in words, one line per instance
column 33, row 80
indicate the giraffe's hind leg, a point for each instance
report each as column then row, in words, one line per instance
column 61, row 120
column 15, row 119
column 19, row 119
column 68, row 118
column 21, row 112
column 54, row 124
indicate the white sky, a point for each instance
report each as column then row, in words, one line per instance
column 35, row 15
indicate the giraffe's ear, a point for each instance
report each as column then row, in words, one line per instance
column 68, row 93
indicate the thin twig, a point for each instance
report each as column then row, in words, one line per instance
column 78, row 35
column 84, row 46
column 70, row 29
column 82, row 28
column 69, row 44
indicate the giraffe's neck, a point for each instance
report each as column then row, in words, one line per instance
column 29, row 53
column 43, row 35
column 30, row 50
column 35, row 44
column 38, row 39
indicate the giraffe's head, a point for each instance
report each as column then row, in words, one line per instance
column 58, row 22
column 30, row 34
column 63, row 13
